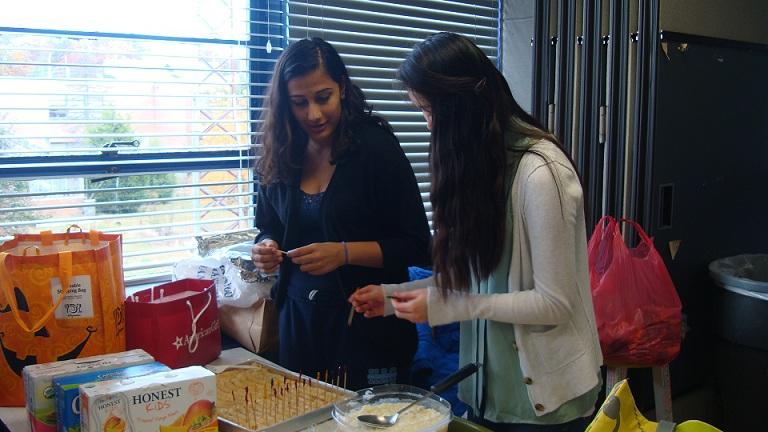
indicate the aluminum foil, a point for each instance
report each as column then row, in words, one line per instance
column 208, row 245
column 235, row 246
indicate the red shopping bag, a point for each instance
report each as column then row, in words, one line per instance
column 177, row 322
column 637, row 309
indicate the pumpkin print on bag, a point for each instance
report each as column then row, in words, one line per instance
column 61, row 297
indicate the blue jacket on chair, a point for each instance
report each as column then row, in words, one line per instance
column 437, row 355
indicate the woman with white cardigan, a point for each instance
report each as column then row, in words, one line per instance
column 509, row 249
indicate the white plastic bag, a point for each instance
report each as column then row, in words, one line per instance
column 231, row 288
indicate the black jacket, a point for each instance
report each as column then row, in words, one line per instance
column 372, row 196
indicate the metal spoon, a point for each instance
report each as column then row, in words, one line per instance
column 382, row 421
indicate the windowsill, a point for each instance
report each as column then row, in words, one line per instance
column 132, row 288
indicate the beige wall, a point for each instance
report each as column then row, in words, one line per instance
column 517, row 59
column 744, row 20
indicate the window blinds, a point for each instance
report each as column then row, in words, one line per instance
column 373, row 38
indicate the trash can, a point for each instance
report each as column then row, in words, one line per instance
column 742, row 353
column 743, row 314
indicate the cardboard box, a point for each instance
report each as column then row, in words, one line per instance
column 67, row 390
column 38, row 382
column 177, row 401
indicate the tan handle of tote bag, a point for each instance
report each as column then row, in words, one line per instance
column 65, row 274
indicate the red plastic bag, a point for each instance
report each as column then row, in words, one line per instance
column 177, row 322
column 637, row 309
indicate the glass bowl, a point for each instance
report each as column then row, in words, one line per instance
column 430, row 415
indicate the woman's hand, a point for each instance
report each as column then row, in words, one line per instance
column 266, row 256
column 318, row 258
column 368, row 301
column 411, row 305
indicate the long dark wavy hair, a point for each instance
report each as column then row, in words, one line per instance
column 472, row 107
column 283, row 139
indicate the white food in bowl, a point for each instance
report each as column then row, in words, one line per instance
column 430, row 415
column 414, row 419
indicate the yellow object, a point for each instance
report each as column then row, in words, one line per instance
column 620, row 414
column 114, row 424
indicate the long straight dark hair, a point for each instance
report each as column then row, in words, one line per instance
column 472, row 107
column 283, row 139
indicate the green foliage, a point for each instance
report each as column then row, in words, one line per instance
column 113, row 130
column 106, row 193
column 13, row 187
column 120, row 132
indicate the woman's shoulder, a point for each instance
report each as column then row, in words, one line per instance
column 272, row 189
column 546, row 168
column 372, row 128
column 543, row 152
column 375, row 137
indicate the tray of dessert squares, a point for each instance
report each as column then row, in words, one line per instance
column 254, row 394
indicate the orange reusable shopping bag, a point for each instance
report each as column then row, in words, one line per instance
column 37, row 323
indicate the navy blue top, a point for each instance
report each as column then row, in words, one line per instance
column 302, row 285
column 372, row 196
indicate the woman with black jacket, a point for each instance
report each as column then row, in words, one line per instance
column 338, row 194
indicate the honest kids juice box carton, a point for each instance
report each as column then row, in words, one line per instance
column 38, row 382
column 182, row 400
column 67, row 390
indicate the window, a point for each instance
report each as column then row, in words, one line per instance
column 134, row 118
column 138, row 117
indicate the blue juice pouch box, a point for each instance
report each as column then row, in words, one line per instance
column 67, row 390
